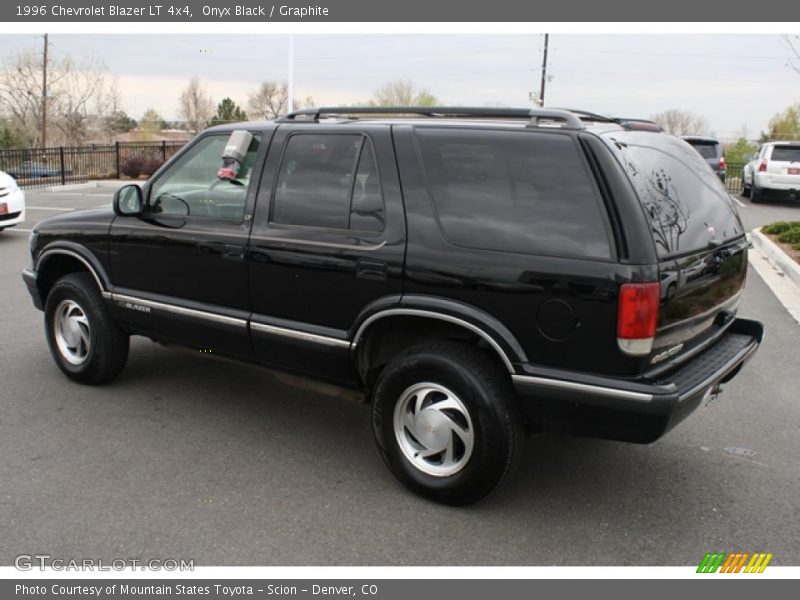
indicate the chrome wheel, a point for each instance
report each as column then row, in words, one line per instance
column 433, row 429
column 72, row 332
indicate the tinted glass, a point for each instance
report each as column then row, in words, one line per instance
column 366, row 208
column 329, row 181
column 190, row 187
column 706, row 150
column 513, row 191
column 786, row 153
column 684, row 200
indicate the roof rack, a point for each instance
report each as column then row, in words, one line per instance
column 535, row 116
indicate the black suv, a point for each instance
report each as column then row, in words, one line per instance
column 478, row 273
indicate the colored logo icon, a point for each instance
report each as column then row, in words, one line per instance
column 734, row 562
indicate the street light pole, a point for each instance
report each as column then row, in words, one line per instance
column 44, row 95
column 290, row 91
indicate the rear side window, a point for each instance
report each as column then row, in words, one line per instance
column 786, row 153
column 513, row 191
column 329, row 181
column 687, row 206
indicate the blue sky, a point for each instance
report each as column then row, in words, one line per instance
column 735, row 81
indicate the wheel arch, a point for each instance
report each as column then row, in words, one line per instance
column 384, row 332
column 55, row 261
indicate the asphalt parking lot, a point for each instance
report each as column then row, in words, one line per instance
column 195, row 458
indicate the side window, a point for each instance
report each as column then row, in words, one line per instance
column 513, row 191
column 329, row 181
column 190, row 187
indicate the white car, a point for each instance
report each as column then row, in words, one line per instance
column 775, row 171
column 12, row 202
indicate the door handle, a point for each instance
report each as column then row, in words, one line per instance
column 368, row 268
column 226, row 251
column 233, row 252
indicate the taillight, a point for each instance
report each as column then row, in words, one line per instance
column 762, row 168
column 3, row 208
column 721, row 163
column 638, row 317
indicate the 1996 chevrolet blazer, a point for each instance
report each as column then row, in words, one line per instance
column 478, row 273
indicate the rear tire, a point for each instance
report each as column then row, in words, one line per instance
column 446, row 422
column 86, row 342
column 756, row 195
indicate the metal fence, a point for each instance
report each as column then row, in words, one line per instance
column 44, row 167
column 733, row 177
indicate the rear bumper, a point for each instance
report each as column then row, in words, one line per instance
column 768, row 184
column 637, row 411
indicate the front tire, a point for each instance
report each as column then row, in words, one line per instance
column 446, row 422
column 86, row 342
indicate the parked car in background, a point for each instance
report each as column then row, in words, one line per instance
column 12, row 202
column 711, row 151
column 774, row 172
column 32, row 169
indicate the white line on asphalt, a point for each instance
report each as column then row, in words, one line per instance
column 739, row 202
column 58, row 208
column 13, row 229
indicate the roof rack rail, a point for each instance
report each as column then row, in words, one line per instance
column 571, row 120
column 536, row 115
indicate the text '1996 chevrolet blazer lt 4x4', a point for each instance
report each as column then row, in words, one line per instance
column 478, row 273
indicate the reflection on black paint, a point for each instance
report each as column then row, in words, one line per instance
column 686, row 204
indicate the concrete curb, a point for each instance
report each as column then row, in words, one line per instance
column 776, row 256
column 770, row 262
column 71, row 187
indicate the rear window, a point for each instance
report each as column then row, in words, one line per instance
column 706, row 149
column 513, row 191
column 685, row 202
column 786, row 153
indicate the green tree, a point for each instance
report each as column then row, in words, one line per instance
column 228, row 112
column 119, row 122
column 152, row 121
column 736, row 152
column 11, row 136
column 784, row 125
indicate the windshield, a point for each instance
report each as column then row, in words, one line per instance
column 687, row 206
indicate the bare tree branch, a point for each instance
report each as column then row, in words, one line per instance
column 195, row 106
column 681, row 122
column 793, row 43
column 78, row 95
column 269, row 100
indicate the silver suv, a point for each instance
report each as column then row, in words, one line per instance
column 774, row 172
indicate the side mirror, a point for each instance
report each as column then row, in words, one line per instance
column 128, row 201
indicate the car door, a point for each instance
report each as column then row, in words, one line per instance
column 179, row 269
column 328, row 241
